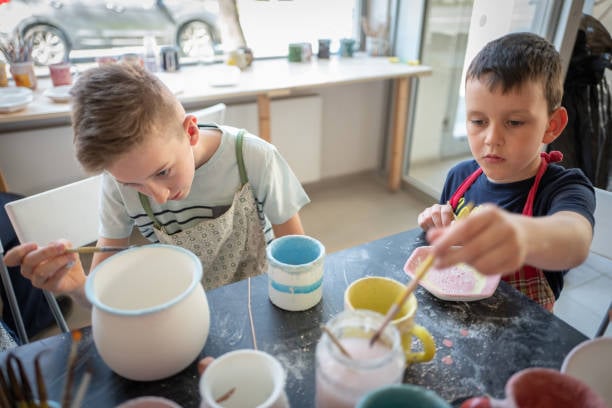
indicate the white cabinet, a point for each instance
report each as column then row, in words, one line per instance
column 295, row 129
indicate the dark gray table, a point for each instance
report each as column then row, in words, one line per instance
column 479, row 344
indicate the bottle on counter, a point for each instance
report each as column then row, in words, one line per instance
column 151, row 54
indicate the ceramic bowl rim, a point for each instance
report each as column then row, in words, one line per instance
column 279, row 387
column 95, row 301
column 581, row 347
column 278, row 241
column 429, row 394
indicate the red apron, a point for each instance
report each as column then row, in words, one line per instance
column 528, row 279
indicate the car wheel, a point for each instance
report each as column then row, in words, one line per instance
column 194, row 39
column 49, row 44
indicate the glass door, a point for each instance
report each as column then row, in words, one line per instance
column 454, row 31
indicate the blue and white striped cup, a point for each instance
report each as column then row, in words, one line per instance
column 295, row 272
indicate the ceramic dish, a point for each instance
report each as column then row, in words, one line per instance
column 58, row 93
column 16, row 98
column 460, row 282
column 591, row 362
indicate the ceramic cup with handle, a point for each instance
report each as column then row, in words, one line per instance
column 378, row 294
column 542, row 388
column 295, row 272
column 244, row 378
column 150, row 316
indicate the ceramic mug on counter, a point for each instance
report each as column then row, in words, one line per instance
column 244, row 378
column 60, row 74
column 378, row 293
column 150, row 316
column 295, row 272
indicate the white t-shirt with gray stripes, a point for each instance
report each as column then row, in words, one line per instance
column 277, row 190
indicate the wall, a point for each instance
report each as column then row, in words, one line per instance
column 353, row 119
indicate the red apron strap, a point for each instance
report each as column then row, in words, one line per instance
column 552, row 157
column 467, row 183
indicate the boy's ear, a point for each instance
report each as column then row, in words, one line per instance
column 190, row 125
column 556, row 124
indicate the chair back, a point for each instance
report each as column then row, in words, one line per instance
column 602, row 235
column 212, row 114
column 70, row 211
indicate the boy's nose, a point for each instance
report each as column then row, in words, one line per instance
column 494, row 135
column 158, row 192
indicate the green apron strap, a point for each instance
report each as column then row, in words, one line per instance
column 146, row 205
column 243, row 175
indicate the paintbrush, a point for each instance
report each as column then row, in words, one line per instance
column 5, row 392
column 82, row 389
column 40, row 382
column 335, row 340
column 418, row 275
column 92, row 249
column 72, row 357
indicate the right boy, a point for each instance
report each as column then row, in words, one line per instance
column 535, row 218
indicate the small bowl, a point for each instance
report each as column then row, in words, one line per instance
column 591, row 362
column 460, row 282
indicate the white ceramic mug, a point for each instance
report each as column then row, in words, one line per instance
column 295, row 272
column 150, row 316
column 244, row 378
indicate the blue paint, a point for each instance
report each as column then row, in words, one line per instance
column 296, row 289
column 295, row 250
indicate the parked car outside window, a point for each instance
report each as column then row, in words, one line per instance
column 59, row 29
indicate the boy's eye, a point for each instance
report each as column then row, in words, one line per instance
column 515, row 123
column 477, row 122
column 163, row 173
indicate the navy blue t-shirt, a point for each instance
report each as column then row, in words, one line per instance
column 560, row 190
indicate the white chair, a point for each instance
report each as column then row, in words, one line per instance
column 69, row 211
column 212, row 114
column 602, row 240
column 602, row 235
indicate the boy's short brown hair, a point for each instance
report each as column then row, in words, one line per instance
column 115, row 108
column 516, row 58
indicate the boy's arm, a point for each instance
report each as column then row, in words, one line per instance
column 293, row 226
column 495, row 241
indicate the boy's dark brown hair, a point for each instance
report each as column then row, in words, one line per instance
column 117, row 107
column 516, row 58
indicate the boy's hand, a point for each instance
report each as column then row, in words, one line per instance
column 50, row 267
column 438, row 215
column 490, row 239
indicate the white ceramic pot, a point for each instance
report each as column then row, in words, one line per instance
column 150, row 316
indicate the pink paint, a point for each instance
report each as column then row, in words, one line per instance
column 448, row 360
column 447, row 342
column 464, row 332
column 341, row 382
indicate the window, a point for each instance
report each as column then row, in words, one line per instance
column 81, row 30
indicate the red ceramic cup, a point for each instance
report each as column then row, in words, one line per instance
column 60, row 74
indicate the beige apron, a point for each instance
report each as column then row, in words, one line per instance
column 231, row 247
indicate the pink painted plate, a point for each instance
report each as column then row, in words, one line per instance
column 457, row 283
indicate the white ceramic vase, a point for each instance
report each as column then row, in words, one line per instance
column 150, row 316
